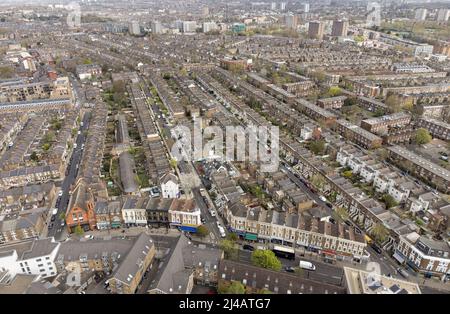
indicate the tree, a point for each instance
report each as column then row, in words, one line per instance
column 6, row 72
column 380, row 232
column 317, row 147
column 235, row 287
column 319, row 76
column 232, row 236
column 389, row 201
column 62, row 216
column 265, row 259
column 317, row 181
column 342, row 212
column 264, row 291
column 173, row 163
column 202, row 231
column 351, row 101
column 334, row 91
column 34, row 157
column 422, row 136
column 408, row 105
column 347, row 174
column 229, row 248
column 393, row 103
column 78, row 230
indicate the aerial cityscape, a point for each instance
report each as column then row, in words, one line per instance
column 208, row 147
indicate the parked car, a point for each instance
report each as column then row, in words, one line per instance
column 376, row 248
column 248, row 247
column 402, row 272
column 289, row 269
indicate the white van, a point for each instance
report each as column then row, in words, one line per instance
column 222, row 232
column 307, row 265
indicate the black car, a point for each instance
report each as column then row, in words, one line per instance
column 289, row 269
column 376, row 248
column 248, row 247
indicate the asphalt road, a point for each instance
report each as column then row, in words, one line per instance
column 324, row 272
column 211, row 222
column 314, row 196
column 71, row 174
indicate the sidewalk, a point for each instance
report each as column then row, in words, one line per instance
column 133, row 232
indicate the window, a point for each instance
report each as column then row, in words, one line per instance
column 40, row 265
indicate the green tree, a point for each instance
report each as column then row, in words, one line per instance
column 62, row 216
column 34, row 157
column 317, row 147
column 389, row 201
column 317, row 181
column 230, row 249
column 334, row 91
column 78, row 231
column 173, row 163
column 265, row 259
column 422, row 136
column 351, row 101
column 232, row 236
column 393, row 103
column 202, row 231
column 347, row 174
column 235, row 287
column 380, row 232
column 264, row 291
column 342, row 212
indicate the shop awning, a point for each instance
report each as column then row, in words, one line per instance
column 251, row 236
column 399, row 257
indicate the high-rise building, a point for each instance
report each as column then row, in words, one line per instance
column 156, row 27
column 306, row 7
column 273, row 6
column 205, row 11
column 443, row 15
column 291, row 21
column 189, row 26
column 316, row 29
column 282, row 6
column 209, row 26
column 340, row 28
column 421, row 14
column 134, row 28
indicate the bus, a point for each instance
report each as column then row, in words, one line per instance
column 284, row 252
